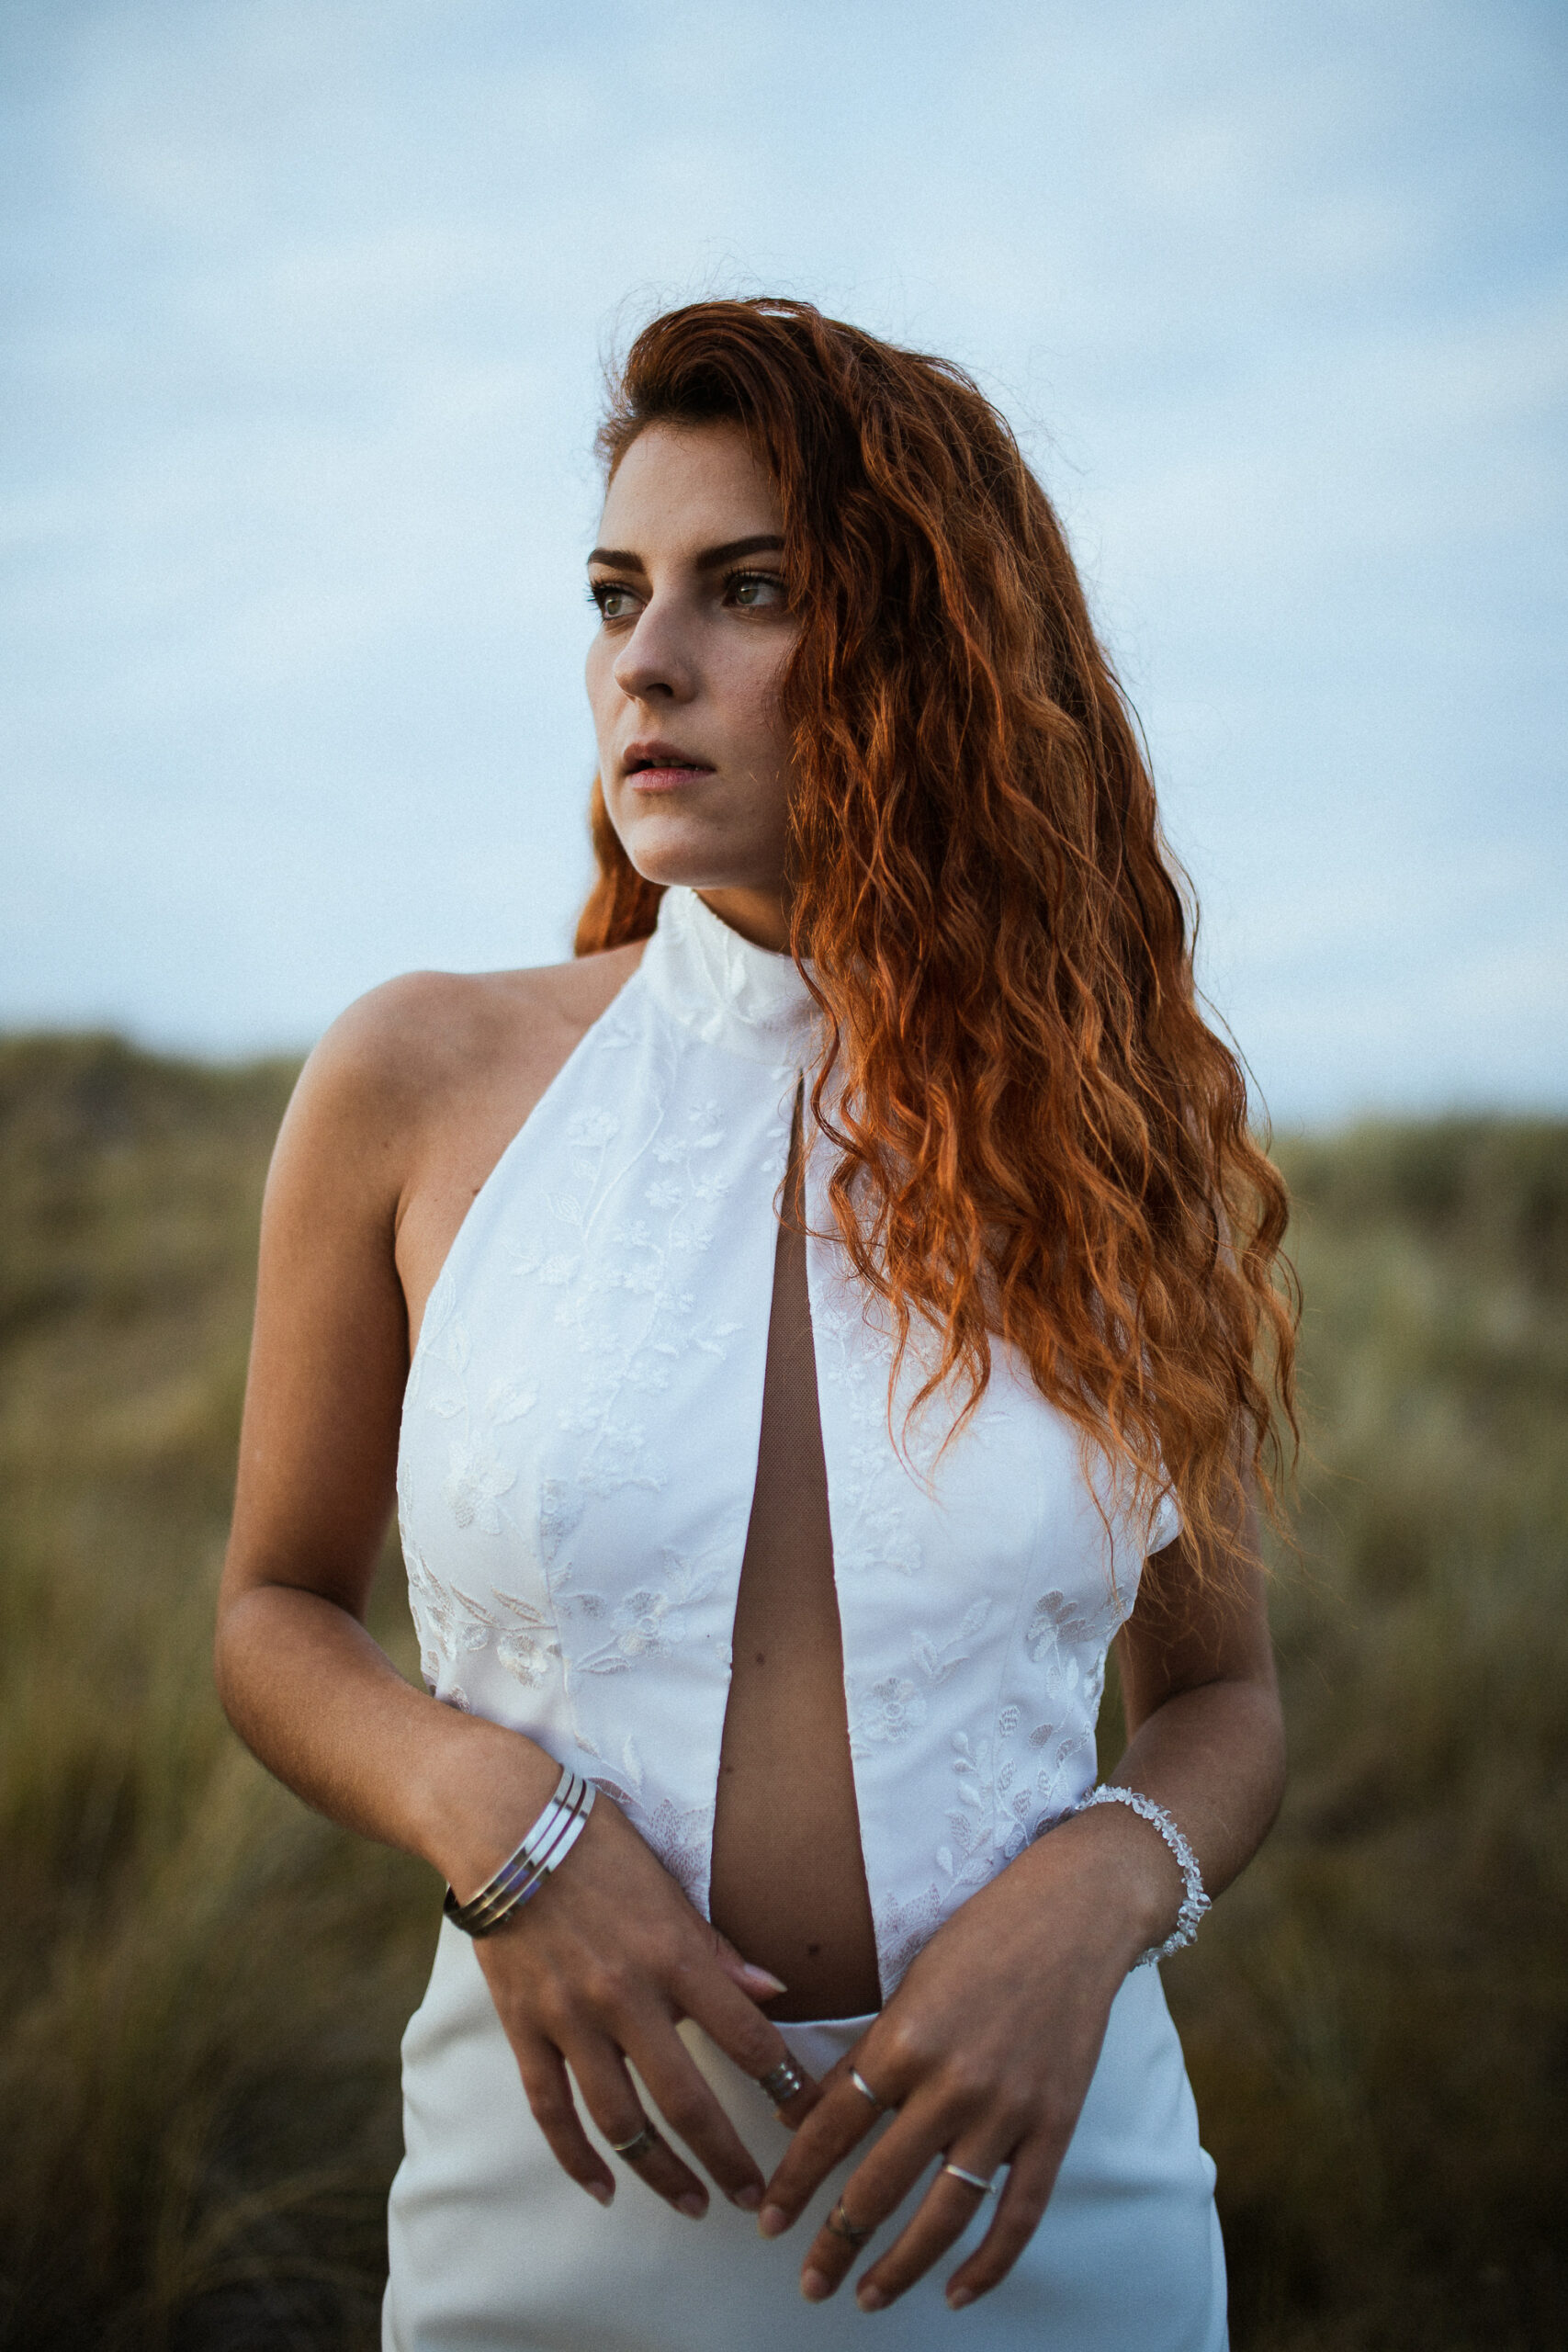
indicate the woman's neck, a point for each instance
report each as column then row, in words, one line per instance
column 760, row 916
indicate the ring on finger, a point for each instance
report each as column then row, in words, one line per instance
column 972, row 2179
column 843, row 2227
column 783, row 2082
column 640, row 2144
column 865, row 2091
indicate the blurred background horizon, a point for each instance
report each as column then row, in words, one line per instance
column 307, row 310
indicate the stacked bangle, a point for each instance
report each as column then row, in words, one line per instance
column 1194, row 1901
column 545, row 1846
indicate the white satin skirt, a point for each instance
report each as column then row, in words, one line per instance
column 493, row 2249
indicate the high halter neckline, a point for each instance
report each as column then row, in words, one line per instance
column 731, row 992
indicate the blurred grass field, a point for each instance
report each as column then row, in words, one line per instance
column 203, row 1986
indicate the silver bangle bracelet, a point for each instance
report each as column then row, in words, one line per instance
column 1194, row 1901
column 522, row 1874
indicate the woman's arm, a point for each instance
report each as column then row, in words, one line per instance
column 303, row 1682
column 989, row 2045
column 1205, row 1734
column 610, row 1955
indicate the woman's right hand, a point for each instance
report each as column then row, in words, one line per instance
column 598, row 1968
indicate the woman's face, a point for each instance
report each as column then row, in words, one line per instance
column 684, row 669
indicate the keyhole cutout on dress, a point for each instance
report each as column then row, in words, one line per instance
column 788, row 1885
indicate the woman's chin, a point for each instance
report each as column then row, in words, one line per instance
column 671, row 852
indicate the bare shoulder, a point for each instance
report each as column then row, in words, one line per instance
column 433, row 1049
column 427, row 1031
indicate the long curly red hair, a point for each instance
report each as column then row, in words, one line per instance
column 1038, row 1136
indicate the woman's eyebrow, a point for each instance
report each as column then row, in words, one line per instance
column 624, row 559
column 765, row 543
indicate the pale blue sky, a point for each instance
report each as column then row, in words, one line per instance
column 304, row 303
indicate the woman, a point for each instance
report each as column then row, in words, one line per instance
column 815, row 1306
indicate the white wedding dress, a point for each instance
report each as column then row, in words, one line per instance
column 579, row 1448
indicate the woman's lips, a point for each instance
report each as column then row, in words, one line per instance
column 664, row 779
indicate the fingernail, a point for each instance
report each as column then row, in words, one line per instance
column 600, row 2191
column 870, row 2298
column 958, row 2296
column 694, row 2204
column 814, row 2285
column 748, row 2197
column 765, row 1976
column 772, row 2221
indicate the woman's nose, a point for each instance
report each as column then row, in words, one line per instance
column 654, row 661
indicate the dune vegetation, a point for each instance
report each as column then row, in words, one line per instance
column 202, row 1985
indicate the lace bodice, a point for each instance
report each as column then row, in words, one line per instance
column 580, row 1443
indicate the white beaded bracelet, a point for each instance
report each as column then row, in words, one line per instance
column 1195, row 1902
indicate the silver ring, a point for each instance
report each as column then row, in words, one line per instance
column 843, row 2227
column 783, row 2082
column 972, row 2179
column 640, row 2144
column 865, row 2091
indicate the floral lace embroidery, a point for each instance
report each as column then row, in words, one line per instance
column 904, row 1925
column 476, row 1478
column 453, row 1626
column 878, row 1532
column 540, row 1512
column 887, row 1710
column 681, row 1836
column 965, row 1860
column 646, row 1623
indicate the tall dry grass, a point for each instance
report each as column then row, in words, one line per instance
column 202, row 1986
column 1376, row 2017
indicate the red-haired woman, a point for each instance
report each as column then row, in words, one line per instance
column 840, row 1303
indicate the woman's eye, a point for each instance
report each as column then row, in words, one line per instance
column 754, row 589
column 614, row 602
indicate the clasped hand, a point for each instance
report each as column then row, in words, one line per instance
column 985, row 2051
column 597, row 1971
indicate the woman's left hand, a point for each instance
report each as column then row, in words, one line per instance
column 986, row 2051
